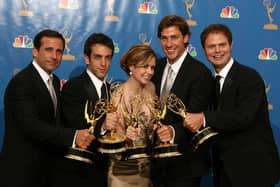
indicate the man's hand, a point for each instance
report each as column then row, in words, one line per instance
column 165, row 133
column 194, row 121
column 83, row 138
column 112, row 122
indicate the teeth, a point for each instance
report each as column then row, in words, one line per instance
column 217, row 56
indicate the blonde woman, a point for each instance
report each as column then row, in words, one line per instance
column 134, row 101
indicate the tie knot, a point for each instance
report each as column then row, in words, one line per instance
column 170, row 70
column 50, row 79
column 218, row 78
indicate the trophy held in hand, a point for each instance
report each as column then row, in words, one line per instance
column 202, row 136
column 111, row 142
column 92, row 114
column 139, row 120
column 164, row 149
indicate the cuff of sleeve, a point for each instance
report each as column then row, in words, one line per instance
column 173, row 130
column 74, row 140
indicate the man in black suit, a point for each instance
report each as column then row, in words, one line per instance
column 33, row 134
column 98, row 53
column 192, row 84
column 245, row 153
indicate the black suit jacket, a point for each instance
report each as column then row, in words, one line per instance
column 74, row 95
column 246, row 146
column 32, row 133
column 193, row 85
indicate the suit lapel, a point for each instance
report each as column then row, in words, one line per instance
column 228, row 85
column 157, row 79
column 39, row 82
column 177, row 85
column 42, row 89
column 89, row 87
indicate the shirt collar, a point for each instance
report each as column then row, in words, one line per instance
column 96, row 81
column 223, row 73
column 176, row 66
column 43, row 74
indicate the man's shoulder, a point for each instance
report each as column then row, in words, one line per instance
column 197, row 64
column 246, row 71
column 75, row 82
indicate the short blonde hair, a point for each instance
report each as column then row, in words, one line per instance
column 137, row 53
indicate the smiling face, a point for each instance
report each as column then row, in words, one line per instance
column 99, row 60
column 143, row 71
column 49, row 55
column 173, row 43
column 217, row 49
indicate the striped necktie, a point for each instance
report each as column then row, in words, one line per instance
column 168, row 83
column 52, row 92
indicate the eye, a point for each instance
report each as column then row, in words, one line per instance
column 97, row 57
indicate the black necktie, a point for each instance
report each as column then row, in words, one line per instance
column 218, row 88
column 104, row 92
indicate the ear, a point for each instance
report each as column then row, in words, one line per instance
column 86, row 59
column 186, row 38
column 131, row 68
column 34, row 52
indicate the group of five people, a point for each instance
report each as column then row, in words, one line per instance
column 37, row 137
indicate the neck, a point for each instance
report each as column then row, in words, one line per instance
column 134, row 85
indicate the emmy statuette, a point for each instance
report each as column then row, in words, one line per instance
column 177, row 106
column 164, row 149
column 137, row 118
column 111, row 142
column 92, row 117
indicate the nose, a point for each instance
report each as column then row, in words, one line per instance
column 168, row 42
column 150, row 71
column 103, row 61
column 54, row 55
column 217, row 48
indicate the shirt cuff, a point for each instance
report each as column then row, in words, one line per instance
column 173, row 130
column 74, row 140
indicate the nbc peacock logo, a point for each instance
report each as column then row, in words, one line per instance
column 147, row 8
column 69, row 4
column 191, row 50
column 230, row 12
column 268, row 54
column 23, row 41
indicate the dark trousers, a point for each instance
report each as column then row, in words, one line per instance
column 221, row 178
column 178, row 182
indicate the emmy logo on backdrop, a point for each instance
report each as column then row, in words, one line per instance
column 189, row 4
column 92, row 114
column 164, row 149
column 177, row 106
column 267, row 89
column 143, row 39
column 25, row 12
column 112, row 142
column 269, row 9
column 111, row 17
column 68, row 38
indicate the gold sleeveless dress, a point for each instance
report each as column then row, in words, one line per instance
column 133, row 172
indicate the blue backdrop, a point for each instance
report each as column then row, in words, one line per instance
column 255, row 27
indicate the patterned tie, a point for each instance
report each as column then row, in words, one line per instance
column 52, row 92
column 168, row 83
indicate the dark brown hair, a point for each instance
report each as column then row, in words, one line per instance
column 215, row 28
